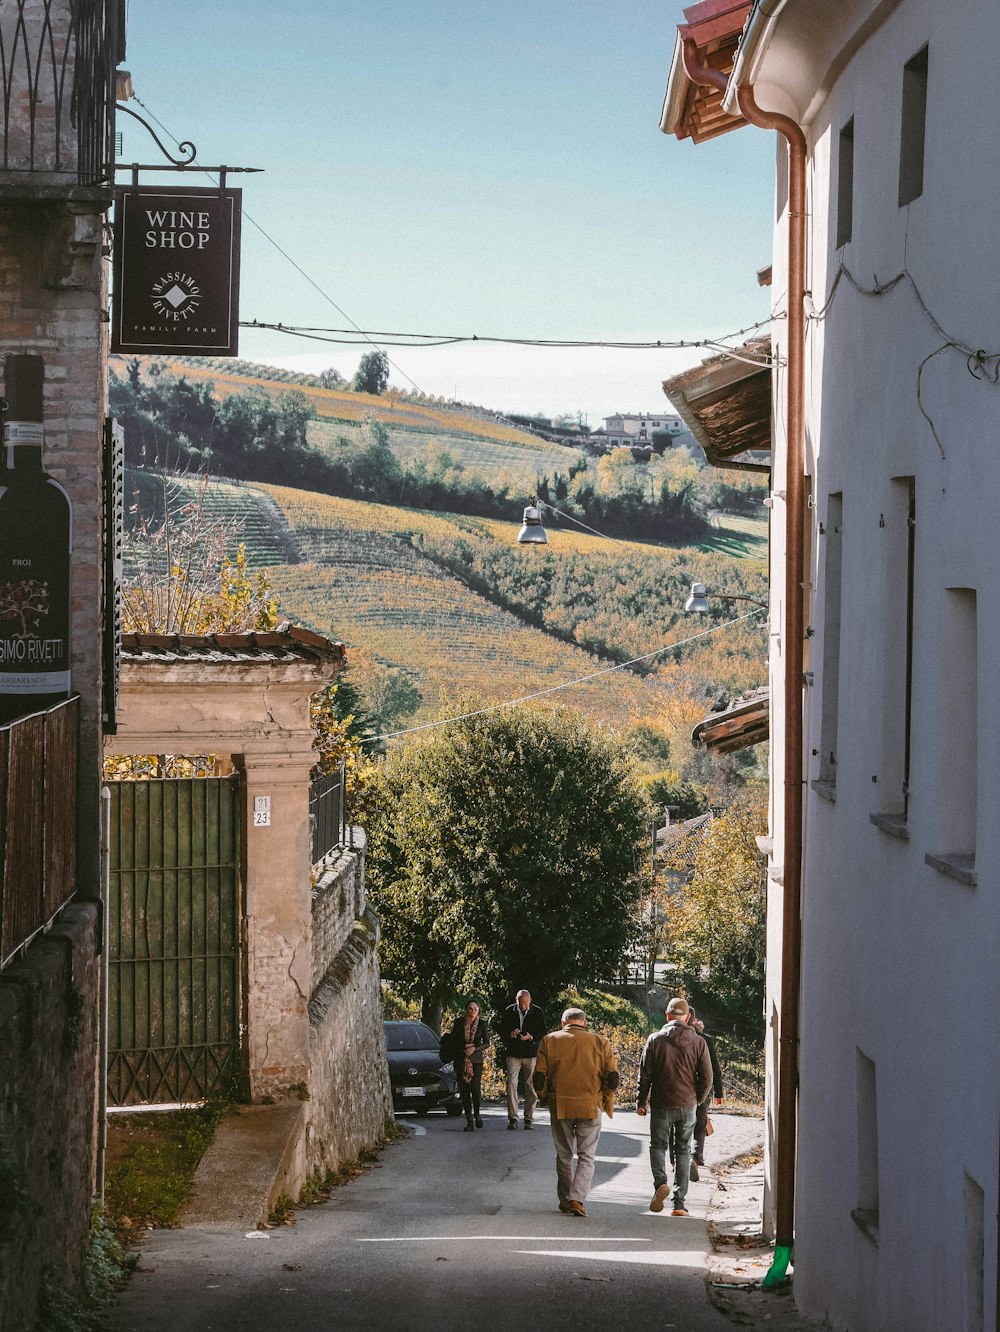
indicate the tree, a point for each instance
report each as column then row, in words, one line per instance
column 331, row 378
column 344, row 730
column 181, row 577
column 392, row 697
column 719, row 917
column 505, row 849
column 372, row 374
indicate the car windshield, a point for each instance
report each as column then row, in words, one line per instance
column 409, row 1036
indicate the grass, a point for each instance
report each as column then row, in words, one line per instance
column 151, row 1161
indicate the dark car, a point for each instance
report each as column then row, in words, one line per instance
column 418, row 1078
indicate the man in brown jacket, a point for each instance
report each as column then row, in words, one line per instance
column 575, row 1070
column 675, row 1073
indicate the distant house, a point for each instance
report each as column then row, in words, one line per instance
column 625, row 430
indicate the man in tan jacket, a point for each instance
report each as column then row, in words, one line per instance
column 575, row 1072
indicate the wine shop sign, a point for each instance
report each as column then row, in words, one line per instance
column 176, row 270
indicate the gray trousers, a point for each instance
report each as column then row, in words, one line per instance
column 579, row 1136
column 514, row 1067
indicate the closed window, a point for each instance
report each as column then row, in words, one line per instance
column 913, row 128
column 832, row 562
column 845, row 184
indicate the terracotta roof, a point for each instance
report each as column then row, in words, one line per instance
column 692, row 110
column 746, row 721
column 726, row 403
column 285, row 644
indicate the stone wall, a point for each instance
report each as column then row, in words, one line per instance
column 349, row 1091
column 337, row 901
column 48, row 1092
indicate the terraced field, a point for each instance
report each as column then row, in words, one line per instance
column 251, row 514
column 369, row 582
column 453, row 643
column 513, row 461
column 341, row 405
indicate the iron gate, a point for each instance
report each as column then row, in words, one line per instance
column 174, row 927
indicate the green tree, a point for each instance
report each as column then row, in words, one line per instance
column 719, row 913
column 372, row 374
column 505, row 849
column 392, row 697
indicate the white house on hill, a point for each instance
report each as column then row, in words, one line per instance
column 883, row 1000
column 625, row 430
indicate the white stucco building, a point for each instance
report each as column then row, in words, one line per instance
column 885, row 477
column 626, row 429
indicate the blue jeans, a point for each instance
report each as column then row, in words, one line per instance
column 679, row 1124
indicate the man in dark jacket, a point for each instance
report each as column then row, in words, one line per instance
column 701, row 1119
column 675, row 1074
column 519, row 1028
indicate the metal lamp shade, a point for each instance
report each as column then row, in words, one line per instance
column 532, row 533
column 697, row 601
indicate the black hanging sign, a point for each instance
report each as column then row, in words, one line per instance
column 176, row 270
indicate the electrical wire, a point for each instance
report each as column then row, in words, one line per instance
column 981, row 364
column 567, row 684
column 345, row 337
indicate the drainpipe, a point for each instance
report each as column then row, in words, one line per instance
column 794, row 639
column 102, row 1044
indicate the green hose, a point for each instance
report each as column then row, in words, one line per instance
column 779, row 1268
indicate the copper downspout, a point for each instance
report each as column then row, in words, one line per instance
column 793, row 639
column 793, row 642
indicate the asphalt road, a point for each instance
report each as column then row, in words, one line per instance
column 452, row 1230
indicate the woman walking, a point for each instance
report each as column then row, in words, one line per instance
column 469, row 1039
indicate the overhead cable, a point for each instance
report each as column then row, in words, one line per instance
column 567, row 684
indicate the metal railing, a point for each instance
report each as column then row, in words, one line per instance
column 327, row 815
column 37, row 822
column 57, row 69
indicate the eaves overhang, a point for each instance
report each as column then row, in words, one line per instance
column 745, row 722
column 726, row 402
column 692, row 110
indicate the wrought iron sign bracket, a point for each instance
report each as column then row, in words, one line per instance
column 186, row 161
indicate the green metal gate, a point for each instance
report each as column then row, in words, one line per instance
column 174, row 926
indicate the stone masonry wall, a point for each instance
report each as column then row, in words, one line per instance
column 350, row 1099
column 337, row 901
column 48, row 1094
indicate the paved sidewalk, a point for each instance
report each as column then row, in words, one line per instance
column 741, row 1257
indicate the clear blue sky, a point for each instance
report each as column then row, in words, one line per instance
column 446, row 166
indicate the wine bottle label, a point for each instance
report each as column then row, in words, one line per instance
column 35, row 525
column 33, row 653
column 23, row 432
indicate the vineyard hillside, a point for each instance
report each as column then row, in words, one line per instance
column 454, row 428
column 457, row 604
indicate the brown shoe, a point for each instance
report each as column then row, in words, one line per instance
column 695, row 1176
column 577, row 1208
column 659, row 1198
column 565, row 1208
column 680, row 1211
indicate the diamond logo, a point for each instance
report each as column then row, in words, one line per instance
column 176, row 296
